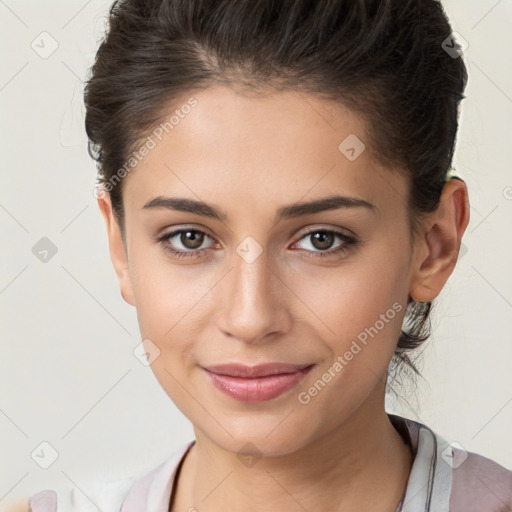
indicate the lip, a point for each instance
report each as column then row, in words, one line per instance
column 260, row 370
column 256, row 383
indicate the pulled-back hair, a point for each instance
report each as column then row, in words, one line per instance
column 384, row 59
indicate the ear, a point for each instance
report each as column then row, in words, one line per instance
column 438, row 247
column 118, row 252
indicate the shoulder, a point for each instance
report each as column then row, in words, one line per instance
column 105, row 496
column 447, row 477
column 108, row 496
column 479, row 483
column 18, row 506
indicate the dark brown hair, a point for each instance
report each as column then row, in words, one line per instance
column 384, row 59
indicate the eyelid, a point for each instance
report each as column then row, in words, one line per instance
column 180, row 229
column 334, row 229
column 301, row 234
column 347, row 241
column 175, row 230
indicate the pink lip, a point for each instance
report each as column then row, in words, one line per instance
column 256, row 383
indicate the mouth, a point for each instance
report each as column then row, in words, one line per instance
column 259, row 383
column 261, row 370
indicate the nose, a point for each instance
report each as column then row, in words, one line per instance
column 254, row 302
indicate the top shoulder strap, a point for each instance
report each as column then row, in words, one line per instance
column 43, row 501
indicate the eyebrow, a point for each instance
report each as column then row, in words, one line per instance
column 286, row 212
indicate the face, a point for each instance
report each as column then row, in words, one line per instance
column 315, row 286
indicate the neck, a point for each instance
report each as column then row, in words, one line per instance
column 334, row 472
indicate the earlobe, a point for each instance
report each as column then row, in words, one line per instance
column 441, row 242
column 118, row 252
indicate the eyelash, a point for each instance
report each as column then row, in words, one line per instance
column 348, row 241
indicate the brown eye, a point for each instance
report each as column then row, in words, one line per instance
column 184, row 243
column 191, row 239
column 322, row 240
column 322, row 243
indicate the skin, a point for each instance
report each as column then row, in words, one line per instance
column 249, row 156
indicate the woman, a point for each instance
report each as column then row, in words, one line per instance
column 275, row 180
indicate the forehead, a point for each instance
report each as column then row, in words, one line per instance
column 260, row 150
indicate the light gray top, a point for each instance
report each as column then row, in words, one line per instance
column 444, row 478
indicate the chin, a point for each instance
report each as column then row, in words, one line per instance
column 268, row 436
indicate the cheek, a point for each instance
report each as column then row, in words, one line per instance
column 352, row 296
column 168, row 296
column 170, row 312
column 360, row 316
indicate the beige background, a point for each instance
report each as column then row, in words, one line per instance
column 68, row 374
